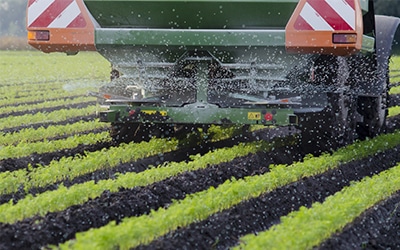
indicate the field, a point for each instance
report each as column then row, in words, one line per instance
column 64, row 183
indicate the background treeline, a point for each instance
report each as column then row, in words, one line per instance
column 13, row 12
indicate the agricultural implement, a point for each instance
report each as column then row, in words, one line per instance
column 319, row 65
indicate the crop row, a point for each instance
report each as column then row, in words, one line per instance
column 63, row 197
column 394, row 111
column 40, row 88
column 32, row 135
column 320, row 221
column 71, row 167
column 134, row 231
column 46, row 95
column 26, row 90
column 45, row 104
column 193, row 208
column 27, row 148
column 42, row 117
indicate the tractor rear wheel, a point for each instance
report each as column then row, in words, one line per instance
column 374, row 112
column 330, row 128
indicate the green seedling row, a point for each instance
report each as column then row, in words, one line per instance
column 319, row 222
column 31, row 88
column 134, row 231
column 72, row 167
column 62, row 198
column 394, row 111
column 45, row 95
column 55, row 116
column 45, row 104
column 27, row 148
column 32, row 135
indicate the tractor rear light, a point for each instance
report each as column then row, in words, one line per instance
column 39, row 35
column 268, row 117
column 344, row 38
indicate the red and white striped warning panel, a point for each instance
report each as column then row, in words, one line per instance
column 55, row 14
column 327, row 15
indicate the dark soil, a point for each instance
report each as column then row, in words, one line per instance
column 55, row 108
column 223, row 229
column 220, row 230
column 47, row 124
column 35, row 159
column 377, row 228
column 138, row 166
column 59, row 227
column 394, row 100
column 36, row 102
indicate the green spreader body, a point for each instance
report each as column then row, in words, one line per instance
column 196, row 62
column 206, row 62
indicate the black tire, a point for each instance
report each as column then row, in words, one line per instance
column 374, row 112
column 373, row 108
column 330, row 128
column 335, row 125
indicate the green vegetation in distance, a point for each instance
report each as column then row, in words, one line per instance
column 395, row 73
column 36, row 66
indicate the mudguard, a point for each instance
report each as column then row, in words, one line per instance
column 385, row 28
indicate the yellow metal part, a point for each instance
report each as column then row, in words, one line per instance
column 254, row 115
column 153, row 112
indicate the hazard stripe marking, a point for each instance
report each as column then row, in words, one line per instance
column 351, row 3
column 37, row 8
column 344, row 10
column 315, row 20
column 301, row 24
column 50, row 13
column 330, row 15
column 78, row 22
column 55, row 14
column 66, row 17
column 327, row 15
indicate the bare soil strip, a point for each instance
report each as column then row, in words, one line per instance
column 137, row 201
column 36, row 102
column 77, row 105
column 220, row 230
column 35, row 159
column 138, row 166
column 394, row 100
column 377, row 228
column 223, row 230
column 47, row 124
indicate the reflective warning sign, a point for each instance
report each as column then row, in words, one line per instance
column 254, row 115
